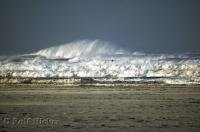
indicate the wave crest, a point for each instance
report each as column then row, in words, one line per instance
column 81, row 48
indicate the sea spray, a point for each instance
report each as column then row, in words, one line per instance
column 81, row 48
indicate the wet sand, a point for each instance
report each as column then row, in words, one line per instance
column 31, row 107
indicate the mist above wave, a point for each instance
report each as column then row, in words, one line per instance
column 81, row 48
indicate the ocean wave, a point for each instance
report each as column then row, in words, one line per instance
column 100, row 60
column 81, row 48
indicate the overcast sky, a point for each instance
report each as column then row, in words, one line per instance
column 151, row 26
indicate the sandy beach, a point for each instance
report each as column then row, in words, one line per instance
column 49, row 107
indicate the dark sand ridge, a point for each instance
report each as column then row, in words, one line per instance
column 50, row 107
column 97, row 80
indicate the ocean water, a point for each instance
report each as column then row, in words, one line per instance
column 102, row 61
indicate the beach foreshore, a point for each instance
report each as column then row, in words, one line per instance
column 137, row 107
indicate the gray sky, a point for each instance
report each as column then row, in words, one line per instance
column 151, row 26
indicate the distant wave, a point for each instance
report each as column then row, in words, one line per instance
column 104, row 61
column 81, row 48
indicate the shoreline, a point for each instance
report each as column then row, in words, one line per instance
column 92, row 81
column 95, row 85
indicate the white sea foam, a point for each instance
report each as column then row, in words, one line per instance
column 102, row 61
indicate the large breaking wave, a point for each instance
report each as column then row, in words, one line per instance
column 82, row 48
column 103, row 62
